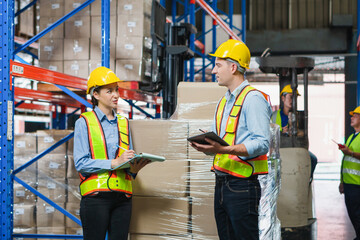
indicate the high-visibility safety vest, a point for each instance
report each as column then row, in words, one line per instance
column 350, row 167
column 232, row 164
column 108, row 181
column 276, row 118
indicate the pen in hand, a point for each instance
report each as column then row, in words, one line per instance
column 202, row 130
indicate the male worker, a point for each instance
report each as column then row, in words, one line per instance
column 242, row 120
column 350, row 172
column 281, row 118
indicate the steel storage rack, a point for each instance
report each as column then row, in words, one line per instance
column 10, row 69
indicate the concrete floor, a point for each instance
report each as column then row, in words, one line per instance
column 332, row 219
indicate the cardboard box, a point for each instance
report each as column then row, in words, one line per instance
column 154, row 215
column 74, row 209
column 96, row 51
column 24, row 231
column 51, row 49
column 134, row 7
column 71, row 5
column 23, row 195
column 74, row 231
column 48, row 216
column 78, row 68
column 197, row 100
column 160, row 137
column 135, row 236
column 202, row 180
column 73, row 190
column 203, row 218
column 77, row 27
column 47, row 138
column 71, row 172
column 133, row 70
column 76, row 49
column 172, row 179
column 194, row 126
column 96, row 29
column 52, row 165
column 96, row 8
column 50, row 230
column 57, row 66
column 97, row 63
column 26, row 21
column 45, row 22
column 51, row 8
column 29, row 173
column 24, row 216
column 129, row 47
column 24, row 144
column 133, row 25
column 54, row 189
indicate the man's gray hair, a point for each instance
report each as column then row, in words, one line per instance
column 239, row 68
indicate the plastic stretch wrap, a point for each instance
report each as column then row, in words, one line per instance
column 171, row 199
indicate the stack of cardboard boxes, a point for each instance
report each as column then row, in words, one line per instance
column 49, row 176
column 74, row 47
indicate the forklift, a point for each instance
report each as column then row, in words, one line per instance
column 295, row 205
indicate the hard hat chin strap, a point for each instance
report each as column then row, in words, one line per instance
column 239, row 68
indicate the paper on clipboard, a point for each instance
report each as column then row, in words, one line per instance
column 144, row 156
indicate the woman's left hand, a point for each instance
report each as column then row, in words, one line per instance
column 137, row 165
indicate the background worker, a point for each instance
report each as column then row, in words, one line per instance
column 350, row 172
column 106, row 193
column 281, row 118
column 246, row 130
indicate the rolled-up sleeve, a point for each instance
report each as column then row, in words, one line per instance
column 257, row 112
column 82, row 157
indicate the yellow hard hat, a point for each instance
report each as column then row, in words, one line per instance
column 235, row 50
column 101, row 76
column 288, row 89
column 357, row 110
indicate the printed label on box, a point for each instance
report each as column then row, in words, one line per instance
column 48, row 140
column 48, row 48
column 77, row 212
column 19, row 211
column 129, row 66
column 55, row 6
column 129, row 46
column 78, row 23
column 76, row 5
column 54, row 165
column 128, row 7
column 53, row 68
column 20, row 193
column 49, row 209
column 131, row 24
column 20, row 144
column 77, row 49
column 51, row 185
column 75, row 67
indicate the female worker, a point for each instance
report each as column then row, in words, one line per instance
column 102, row 142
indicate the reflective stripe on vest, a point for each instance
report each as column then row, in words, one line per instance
column 117, row 180
column 350, row 169
column 276, row 118
column 232, row 164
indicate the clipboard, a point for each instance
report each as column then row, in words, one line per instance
column 211, row 135
column 145, row 156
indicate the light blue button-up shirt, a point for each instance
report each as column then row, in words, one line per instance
column 82, row 154
column 253, row 128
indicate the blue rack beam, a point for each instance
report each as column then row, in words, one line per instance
column 7, row 118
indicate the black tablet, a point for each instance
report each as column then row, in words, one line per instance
column 211, row 135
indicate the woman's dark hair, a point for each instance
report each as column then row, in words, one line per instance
column 94, row 101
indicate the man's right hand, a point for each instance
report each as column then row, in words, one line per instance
column 125, row 156
column 341, row 188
